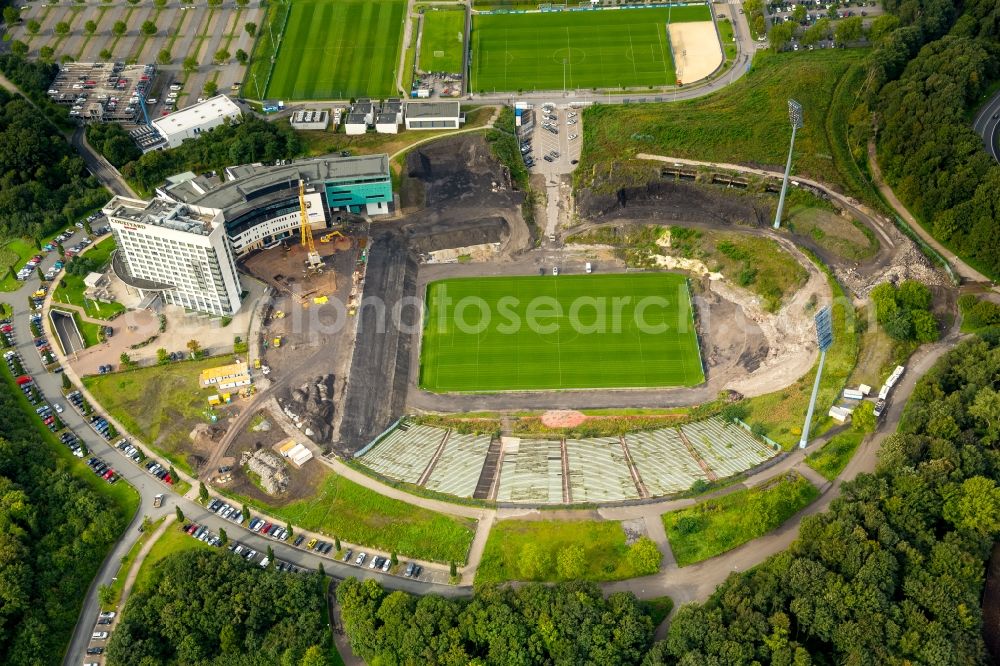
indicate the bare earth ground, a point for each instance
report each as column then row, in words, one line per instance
column 696, row 50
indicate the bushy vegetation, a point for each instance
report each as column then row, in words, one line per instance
column 570, row 623
column 112, row 141
column 44, row 184
column 928, row 151
column 893, row 572
column 904, row 311
column 57, row 522
column 550, row 550
column 831, row 459
column 719, row 525
column 249, row 140
column 214, row 608
column 978, row 313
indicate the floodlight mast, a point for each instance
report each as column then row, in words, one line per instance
column 795, row 118
column 824, row 337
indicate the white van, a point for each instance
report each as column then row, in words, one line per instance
column 590, row 269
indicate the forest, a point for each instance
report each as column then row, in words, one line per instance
column 54, row 533
column 925, row 78
column 44, row 184
column 206, row 607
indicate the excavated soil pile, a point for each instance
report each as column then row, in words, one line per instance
column 310, row 407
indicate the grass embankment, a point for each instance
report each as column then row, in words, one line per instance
column 441, row 40
column 782, row 413
column 727, row 39
column 159, row 404
column 71, row 288
column 172, row 541
column 830, row 229
column 832, row 458
column 542, row 550
column 746, row 122
column 344, row 509
column 91, row 333
column 128, row 563
column 719, row 525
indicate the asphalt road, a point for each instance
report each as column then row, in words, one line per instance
column 100, row 167
column 68, row 337
column 987, row 125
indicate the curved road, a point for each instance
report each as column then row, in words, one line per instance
column 987, row 125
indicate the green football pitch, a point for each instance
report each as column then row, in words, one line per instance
column 601, row 49
column 441, row 41
column 336, row 49
column 559, row 332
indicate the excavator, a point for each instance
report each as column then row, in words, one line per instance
column 330, row 236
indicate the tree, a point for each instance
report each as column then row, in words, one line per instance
column 270, row 557
column 162, row 356
column 106, row 54
column 133, row 2
column 33, row 26
column 881, row 27
column 251, row 28
column 194, row 347
column 925, row 327
column 644, row 556
column 452, row 569
column 160, row 3
column 90, row 27
column 125, row 359
column 799, row 13
column 336, row 543
column 119, row 28
column 62, row 28
column 66, row 383
column 105, row 596
column 288, row 528
column 314, row 655
column 46, row 53
column 246, row 513
column 223, row 537
column 180, row 514
column 164, row 57
column 17, row 47
column 570, row 562
column 210, row 88
column 148, row 28
column 986, row 409
column 190, row 64
column 848, row 30
column 241, row 56
column 60, row 249
column 393, row 559
column 534, row 563
column 975, row 506
column 173, row 474
column 202, row 492
column 11, row 15
column 221, row 56
column 781, row 36
column 40, row 274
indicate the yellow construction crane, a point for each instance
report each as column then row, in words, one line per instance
column 312, row 258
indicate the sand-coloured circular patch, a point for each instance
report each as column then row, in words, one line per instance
column 562, row 418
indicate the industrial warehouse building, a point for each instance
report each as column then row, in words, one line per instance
column 181, row 245
column 190, row 122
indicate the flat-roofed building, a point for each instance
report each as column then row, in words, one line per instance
column 191, row 121
column 433, row 115
column 226, row 376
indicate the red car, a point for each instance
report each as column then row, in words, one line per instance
column 23, row 379
column 107, row 475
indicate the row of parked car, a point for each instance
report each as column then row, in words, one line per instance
column 102, row 469
column 250, row 555
column 228, row 512
column 202, row 533
column 132, row 451
column 6, row 333
column 159, row 471
column 272, row 530
column 76, row 399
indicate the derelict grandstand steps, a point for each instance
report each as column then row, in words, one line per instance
column 544, row 470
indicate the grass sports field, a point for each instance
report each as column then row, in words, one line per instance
column 441, row 41
column 602, row 49
column 335, row 49
column 559, row 332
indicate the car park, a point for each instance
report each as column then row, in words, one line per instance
column 360, row 559
column 376, row 562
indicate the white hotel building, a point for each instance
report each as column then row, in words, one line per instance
column 176, row 252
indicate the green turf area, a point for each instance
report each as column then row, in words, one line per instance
column 172, row 541
column 601, row 49
column 159, row 404
column 336, row 49
column 550, row 550
column 719, row 525
column 128, row 561
column 441, row 41
column 71, row 287
column 559, row 332
column 832, row 458
column 344, row 509
column 746, row 122
column 728, row 40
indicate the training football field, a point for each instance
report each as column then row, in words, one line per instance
column 337, row 49
column 601, row 49
column 559, row 332
column 441, row 41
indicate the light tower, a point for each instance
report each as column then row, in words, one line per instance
column 824, row 337
column 795, row 117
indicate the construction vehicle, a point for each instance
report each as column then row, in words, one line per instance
column 313, row 261
column 277, row 342
column 256, row 363
column 279, row 314
column 330, row 236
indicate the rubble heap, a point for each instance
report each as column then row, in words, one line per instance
column 310, row 407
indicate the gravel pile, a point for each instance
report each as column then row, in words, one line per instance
column 310, row 407
column 908, row 264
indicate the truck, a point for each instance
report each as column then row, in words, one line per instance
column 158, row 501
column 879, row 408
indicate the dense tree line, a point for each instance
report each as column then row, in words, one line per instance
column 904, row 312
column 207, row 607
column 924, row 76
column 112, row 141
column 249, row 140
column 893, row 572
column 54, row 533
column 569, row 623
column 44, row 184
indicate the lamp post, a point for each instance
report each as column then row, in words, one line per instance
column 824, row 337
column 564, row 77
column 795, row 117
